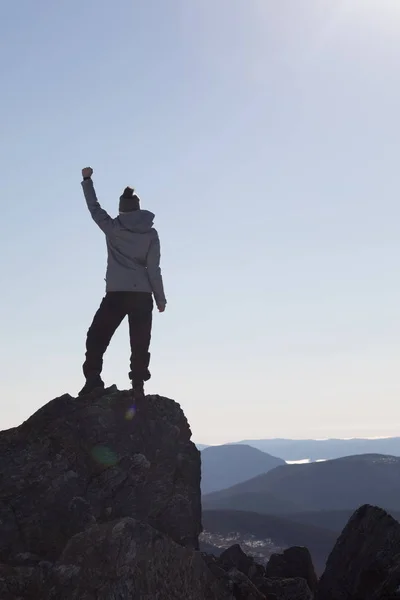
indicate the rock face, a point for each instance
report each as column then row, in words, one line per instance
column 294, row 562
column 365, row 563
column 235, row 558
column 80, row 462
column 128, row 559
column 287, row 589
column 124, row 560
column 98, row 500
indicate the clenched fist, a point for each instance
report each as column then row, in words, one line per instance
column 87, row 172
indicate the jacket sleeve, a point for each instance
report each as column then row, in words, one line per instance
column 154, row 271
column 99, row 215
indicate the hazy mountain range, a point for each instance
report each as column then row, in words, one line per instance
column 294, row 450
column 340, row 484
column 300, row 504
column 225, row 466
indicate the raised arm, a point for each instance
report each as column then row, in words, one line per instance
column 154, row 272
column 99, row 215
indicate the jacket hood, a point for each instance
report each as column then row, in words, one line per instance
column 137, row 221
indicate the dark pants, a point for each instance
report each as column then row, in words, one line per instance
column 113, row 309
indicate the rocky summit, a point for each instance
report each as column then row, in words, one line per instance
column 100, row 500
column 81, row 462
column 89, row 484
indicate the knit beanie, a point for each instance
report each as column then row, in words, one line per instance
column 128, row 201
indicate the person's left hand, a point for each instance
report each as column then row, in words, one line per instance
column 87, row 172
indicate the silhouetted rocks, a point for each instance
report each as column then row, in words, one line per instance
column 91, row 487
column 249, row 580
column 129, row 559
column 263, row 535
column 100, row 500
column 122, row 559
column 286, row 589
column 240, row 585
column 293, row 563
column 365, row 562
column 80, row 462
column 235, row 558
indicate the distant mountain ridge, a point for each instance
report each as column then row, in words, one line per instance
column 325, row 449
column 344, row 483
column 225, row 466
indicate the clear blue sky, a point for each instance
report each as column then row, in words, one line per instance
column 265, row 135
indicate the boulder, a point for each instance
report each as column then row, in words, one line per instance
column 234, row 557
column 125, row 560
column 129, row 560
column 365, row 562
column 243, row 588
column 22, row 583
column 293, row 563
column 78, row 462
column 286, row 589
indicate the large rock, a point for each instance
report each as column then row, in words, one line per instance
column 235, row 558
column 286, row 589
column 239, row 572
column 294, row 562
column 124, row 560
column 22, row 583
column 81, row 462
column 129, row 560
column 243, row 588
column 365, row 562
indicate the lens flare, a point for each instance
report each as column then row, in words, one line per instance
column 130, row 413
column 104, row 456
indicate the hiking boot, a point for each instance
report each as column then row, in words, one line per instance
column 92, row 384
column 138, row 390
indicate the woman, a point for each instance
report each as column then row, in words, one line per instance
column 133, row 278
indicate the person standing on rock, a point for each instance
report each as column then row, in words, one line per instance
column 133, row 278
